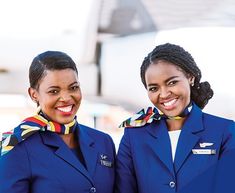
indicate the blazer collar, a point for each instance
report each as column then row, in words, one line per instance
column 62, row 151
column 88, row 148
column 160, row 143
column 188, row 137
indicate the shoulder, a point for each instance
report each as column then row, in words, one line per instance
column 139, row 129
column 19, row 153
column 217, row 119
column 139, row 133
column 224, row 126
column 218, row 124
column 208, row 117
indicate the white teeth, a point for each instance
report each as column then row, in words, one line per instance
column 65, row 109
column 169, row 103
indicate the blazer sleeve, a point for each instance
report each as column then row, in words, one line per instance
column 125, row 174
column 225, row 175
column 228, row 141
column 14, row 171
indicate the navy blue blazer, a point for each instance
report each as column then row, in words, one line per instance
column 43, row 163
column 144, row 160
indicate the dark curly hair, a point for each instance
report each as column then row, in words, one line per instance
column 201, row 92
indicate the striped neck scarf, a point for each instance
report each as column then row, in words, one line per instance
column 31, row 125
column 148, row 116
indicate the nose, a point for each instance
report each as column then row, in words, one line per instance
column 64, row 97
column 164, row 92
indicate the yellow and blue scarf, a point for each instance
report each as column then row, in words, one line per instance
column 148, row 116
column 28, row 127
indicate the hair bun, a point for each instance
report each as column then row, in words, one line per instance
column 202, row 94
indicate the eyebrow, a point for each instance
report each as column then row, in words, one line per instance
column 59, row 87
column 167, row 80
column 76, row 82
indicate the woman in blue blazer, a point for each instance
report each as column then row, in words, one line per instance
column 51, row 152
column 174, row 147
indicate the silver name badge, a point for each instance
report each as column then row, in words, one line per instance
column 106, row 163
column 204, row 151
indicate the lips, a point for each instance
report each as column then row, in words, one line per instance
column 169, row 104
column 65, row 109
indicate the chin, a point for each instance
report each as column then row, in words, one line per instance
column 65, row 120
column 172, row 113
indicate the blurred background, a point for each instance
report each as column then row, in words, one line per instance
column 108, row 40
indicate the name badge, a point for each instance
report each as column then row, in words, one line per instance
column 105, row 162
column 204, row 151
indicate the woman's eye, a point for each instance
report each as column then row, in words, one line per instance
column 74, row 87
column 53, row 91
column 152, row 89
column 172, row 82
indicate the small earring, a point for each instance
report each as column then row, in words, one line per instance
column 192, row 84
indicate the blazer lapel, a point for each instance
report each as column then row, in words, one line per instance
column 188, row 137
column 160, row 143
column 63, row 152
column 89, row 152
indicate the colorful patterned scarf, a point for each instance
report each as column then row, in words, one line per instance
column 30, row 126
column 148, row 116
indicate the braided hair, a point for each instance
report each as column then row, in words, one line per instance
column 201, row 92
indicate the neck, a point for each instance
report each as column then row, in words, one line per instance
column 70, row 140
column 174, row 125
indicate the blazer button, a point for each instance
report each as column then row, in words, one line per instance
column 172, row 184
column 92, row 190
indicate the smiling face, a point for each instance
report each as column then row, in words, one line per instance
column 58, row 95
column 168, row 87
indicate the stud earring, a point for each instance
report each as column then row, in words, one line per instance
column 192, row 84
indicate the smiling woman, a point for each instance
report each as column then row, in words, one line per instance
column 57, row 91
column 174, row 142
column 56, row 150
column 164, row 78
